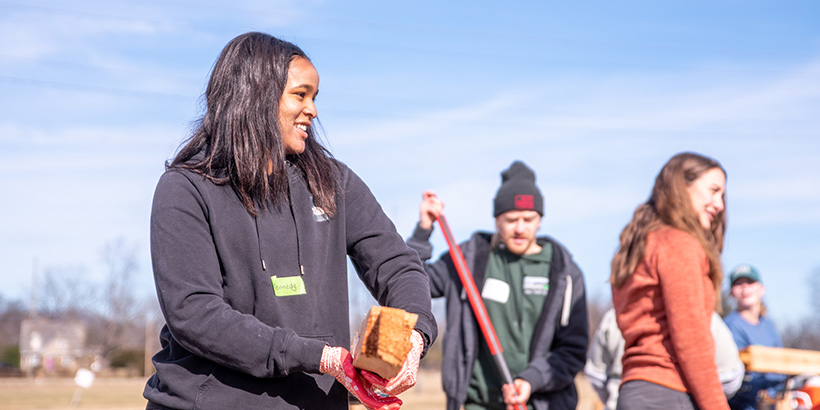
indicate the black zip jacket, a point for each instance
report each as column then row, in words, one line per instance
column 559, row 343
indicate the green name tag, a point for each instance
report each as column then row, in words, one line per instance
column 288, row 286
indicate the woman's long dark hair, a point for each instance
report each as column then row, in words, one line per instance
column 238, row 140
column 671, row 205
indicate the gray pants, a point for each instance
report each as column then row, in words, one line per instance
column 642, row 395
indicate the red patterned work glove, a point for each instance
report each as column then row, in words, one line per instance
column 337, row 362
column 407, row 375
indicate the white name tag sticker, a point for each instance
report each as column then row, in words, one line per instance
column 496, row 290
column 536, row 285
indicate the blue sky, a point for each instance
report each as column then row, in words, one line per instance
column 595, row 96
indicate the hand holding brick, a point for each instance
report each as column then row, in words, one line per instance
column 407, row 375
column 337, row 362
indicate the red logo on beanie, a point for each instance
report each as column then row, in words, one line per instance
column 524, row 202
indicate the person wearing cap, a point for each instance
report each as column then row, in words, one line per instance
column 751, row 326
column 535, row 297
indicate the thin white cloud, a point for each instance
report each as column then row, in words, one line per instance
column 425, row 126
column 773, row 104
column 22, row 32
column 92, row 138
column 692, row 101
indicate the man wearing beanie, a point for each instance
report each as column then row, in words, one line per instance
column 534, row 295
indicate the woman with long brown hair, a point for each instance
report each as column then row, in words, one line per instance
column 666, row 278
column 251, row 227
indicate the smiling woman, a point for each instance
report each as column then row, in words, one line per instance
column 251, row 227
column 257, row 76
column 706, row 194
column 666, row 279
column 296, row 108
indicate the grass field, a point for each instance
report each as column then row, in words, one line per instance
column 126, row 394
column 57, row 394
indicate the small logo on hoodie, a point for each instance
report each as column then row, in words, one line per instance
column 319, row 214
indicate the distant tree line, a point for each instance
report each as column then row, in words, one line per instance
column 804, row 333
column 119, row 325
column 123, row 328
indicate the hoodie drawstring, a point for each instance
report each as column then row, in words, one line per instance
column 259, row 243
column 296, row 226
column 298, row 244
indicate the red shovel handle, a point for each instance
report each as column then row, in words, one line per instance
column 477, row 304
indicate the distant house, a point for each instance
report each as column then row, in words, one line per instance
column 52, row 347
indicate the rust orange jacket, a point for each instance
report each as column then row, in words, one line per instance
column 664, row 311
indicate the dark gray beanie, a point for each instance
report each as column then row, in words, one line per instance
column 518, row 191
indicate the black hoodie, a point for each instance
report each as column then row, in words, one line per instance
column 229, row 341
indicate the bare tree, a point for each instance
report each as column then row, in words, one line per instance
column 804, row 333
column 121, row 312
column 597, row 305
column 12, row 312
column 359, row 299
column 65, row 293
column 727, row 302
column 813, row 279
